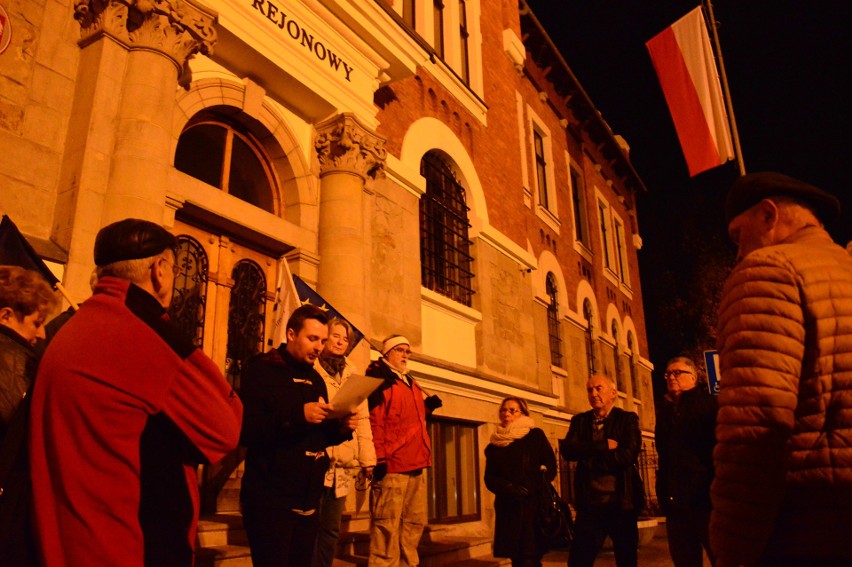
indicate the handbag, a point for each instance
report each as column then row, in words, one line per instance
column 554, row 524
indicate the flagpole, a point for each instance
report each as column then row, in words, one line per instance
column 61, row 289
column 708, row 4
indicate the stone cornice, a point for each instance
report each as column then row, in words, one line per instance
column 344, row 145
column 176, row 28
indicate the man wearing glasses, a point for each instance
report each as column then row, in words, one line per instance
column 685, row 437
column 398, row 410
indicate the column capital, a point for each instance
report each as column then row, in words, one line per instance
column 344, row 145
column 177, row 29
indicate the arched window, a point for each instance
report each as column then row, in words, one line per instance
column 590, row 341
column 616, row 354
column 246, row 318
column 553, row 321
column 225, row 154
column 445, row 261
column 189, row 297
column 634, row 375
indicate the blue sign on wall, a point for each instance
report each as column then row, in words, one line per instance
column 711, row 365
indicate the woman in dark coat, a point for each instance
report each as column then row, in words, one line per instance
column 26, row 300
column 513, row 472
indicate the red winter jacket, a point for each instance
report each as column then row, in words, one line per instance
column 398, row 420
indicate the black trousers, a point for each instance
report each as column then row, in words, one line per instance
column 591, row 528
column 688, row 534
column 279, row 537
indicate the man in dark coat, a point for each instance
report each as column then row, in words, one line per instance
column 685, row 435
column 605, row 442
column 286, row 429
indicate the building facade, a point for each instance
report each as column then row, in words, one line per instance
column 431, row 167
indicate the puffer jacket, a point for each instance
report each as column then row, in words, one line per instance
column 398, row 420
column 355, row 452
column 783, row 458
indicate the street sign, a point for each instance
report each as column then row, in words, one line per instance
column 711, row 365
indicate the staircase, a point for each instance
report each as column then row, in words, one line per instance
column 222, row 542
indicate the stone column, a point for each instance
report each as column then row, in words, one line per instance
column 133, row 53
column 348, row 154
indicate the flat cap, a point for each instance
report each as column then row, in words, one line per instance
column 130, row 239
column 749, row 190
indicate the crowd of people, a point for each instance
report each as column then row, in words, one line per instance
column 102, row 435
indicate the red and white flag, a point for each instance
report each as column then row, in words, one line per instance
column 687, row 71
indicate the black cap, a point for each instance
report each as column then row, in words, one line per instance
column 749, row 190
column 129, row 239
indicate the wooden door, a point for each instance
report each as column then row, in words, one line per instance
column 223, row 299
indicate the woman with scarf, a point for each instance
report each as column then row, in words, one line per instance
column 350, row 457
column 514, row 461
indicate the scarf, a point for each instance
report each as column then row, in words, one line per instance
column 333, row 364
column 517, row 429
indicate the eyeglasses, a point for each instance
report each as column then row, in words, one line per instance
column 401, row 350
column 510, row 411
column 677, row 374
column 175, row 267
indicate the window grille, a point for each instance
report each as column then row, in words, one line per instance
column 189, row 297
column 246, row 318
column 445, row 260
column 616, row 354
column 553, row 322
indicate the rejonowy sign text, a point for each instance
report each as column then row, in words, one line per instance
column 297, row 33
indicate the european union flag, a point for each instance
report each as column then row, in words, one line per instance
column 308, row 295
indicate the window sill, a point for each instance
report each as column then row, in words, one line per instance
column 550, row 219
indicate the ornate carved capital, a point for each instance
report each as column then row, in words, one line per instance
column 176, row 28
column 343, row 144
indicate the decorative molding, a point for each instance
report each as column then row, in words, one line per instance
column 344, row 145
column 178, row 29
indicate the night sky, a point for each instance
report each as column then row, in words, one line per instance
column 788, row 63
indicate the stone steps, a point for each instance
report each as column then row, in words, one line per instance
column 222, row 542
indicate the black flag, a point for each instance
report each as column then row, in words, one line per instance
column 16, row 251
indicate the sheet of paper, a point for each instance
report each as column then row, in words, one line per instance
column 354, row 391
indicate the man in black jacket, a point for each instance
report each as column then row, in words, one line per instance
column 686, row 435
column 286, row 428
column 609, row 495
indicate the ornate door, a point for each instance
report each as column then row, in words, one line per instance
column 223, row 299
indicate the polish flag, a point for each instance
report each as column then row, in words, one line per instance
column 685, row 65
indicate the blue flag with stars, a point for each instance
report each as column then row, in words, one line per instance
column 308, row 295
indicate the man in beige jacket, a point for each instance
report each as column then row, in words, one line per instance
column 783, row 486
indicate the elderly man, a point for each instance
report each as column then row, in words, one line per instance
column 605, row 442
column 685, row 436
column 783, row 486
column 398, row 410
column 287, row 428
column 124, row 409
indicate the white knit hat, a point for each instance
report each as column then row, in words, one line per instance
column 394, row 341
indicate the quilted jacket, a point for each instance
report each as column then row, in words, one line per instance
column 783, row 458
